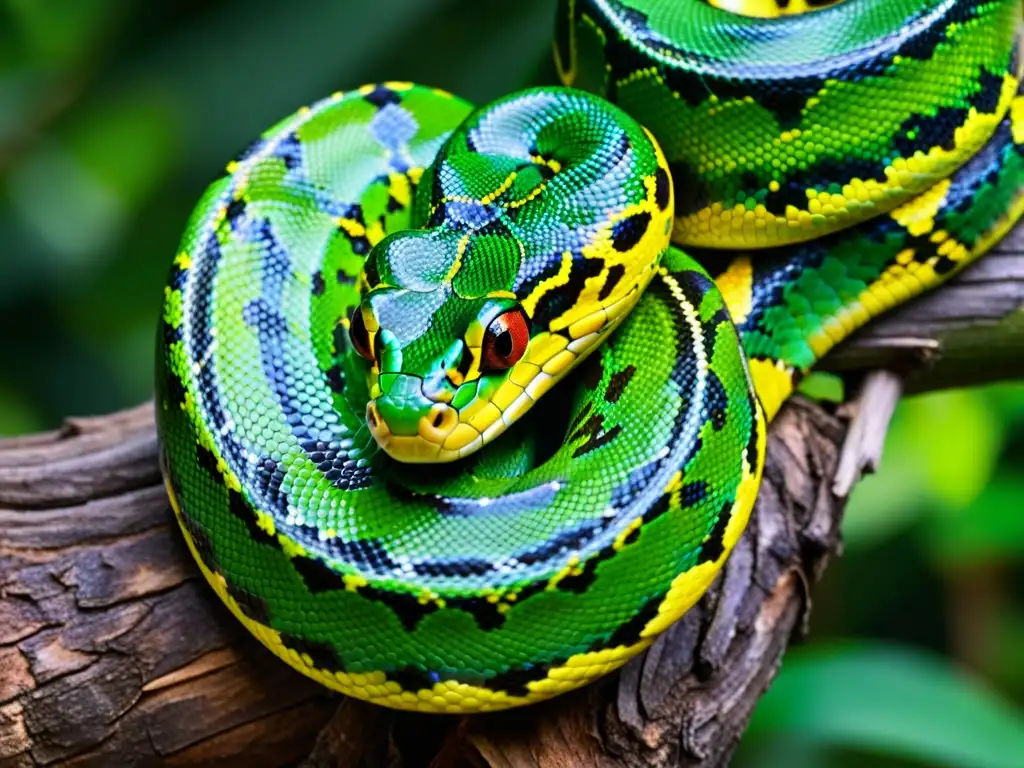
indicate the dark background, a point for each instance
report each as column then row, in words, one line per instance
column 114, row 115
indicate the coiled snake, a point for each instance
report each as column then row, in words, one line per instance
column 366, row 309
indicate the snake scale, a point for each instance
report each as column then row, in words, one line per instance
column 367, row 308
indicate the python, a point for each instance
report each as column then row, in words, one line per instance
column 448, row 417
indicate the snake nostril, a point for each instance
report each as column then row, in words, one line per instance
column 440, row 419
column 371, row 416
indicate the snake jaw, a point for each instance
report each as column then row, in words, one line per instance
column 431, row 445
column 414, row 422
column 411, row 427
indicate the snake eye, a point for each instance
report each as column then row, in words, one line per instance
column 505, row 341
column 359, row 335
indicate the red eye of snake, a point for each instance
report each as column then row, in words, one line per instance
column 505, row 341
column 359, row 335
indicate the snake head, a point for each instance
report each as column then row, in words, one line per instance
column 437, row 354
column 452, row 363
column 542, row 221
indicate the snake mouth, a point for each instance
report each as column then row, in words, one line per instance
column 435, row 440
column 415, row 428
column 412, row 428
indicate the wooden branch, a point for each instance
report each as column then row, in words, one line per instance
column 969, row 332
column 872, row 411
column 688, row 699
column 113, row 651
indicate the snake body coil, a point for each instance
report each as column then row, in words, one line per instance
column 447, row 420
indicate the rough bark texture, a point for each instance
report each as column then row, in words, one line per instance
column 969, row 332
column 110, row 647
column 114, row 652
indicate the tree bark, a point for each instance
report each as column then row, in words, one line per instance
column 114, row 652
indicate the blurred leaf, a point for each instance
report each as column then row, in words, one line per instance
column 821, row 385
column 78, row 193
column 886, row 502
column 957, row 439
column 251, row 64
column 991, row 527
column 59, row 30
column 66, row 207
column 1008, row 398
column 1008, row 661
column 18, row 91
column 883, row 504
column 126, row 145
column 48, row 53
column 891, row 701
column 17, row 417
column 791, row 753
column 123, row 353
column 939, row 459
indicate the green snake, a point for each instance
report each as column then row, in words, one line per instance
column 365, row 312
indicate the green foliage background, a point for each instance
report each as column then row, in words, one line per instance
column 115, row 114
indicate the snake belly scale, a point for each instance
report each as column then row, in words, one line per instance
column 449, row 420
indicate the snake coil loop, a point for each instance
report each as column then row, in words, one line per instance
column 447, row 419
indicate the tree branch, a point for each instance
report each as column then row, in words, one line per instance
column 969, row 332
column 113, row 650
